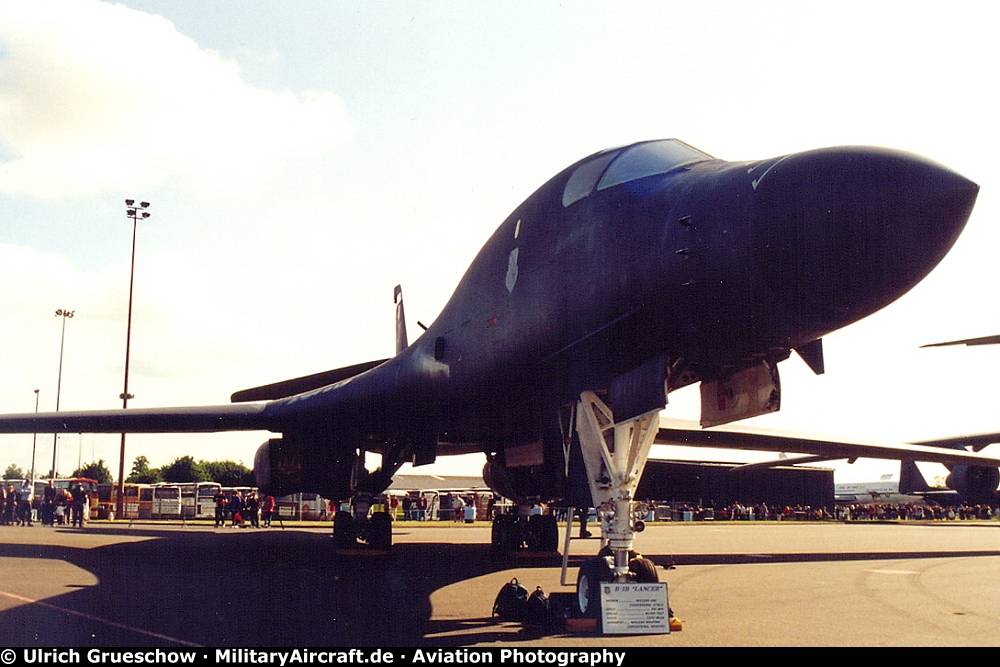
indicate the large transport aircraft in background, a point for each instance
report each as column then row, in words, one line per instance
column 883, row 491
column 632, row 273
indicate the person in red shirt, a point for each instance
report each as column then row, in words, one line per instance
column 267, row 510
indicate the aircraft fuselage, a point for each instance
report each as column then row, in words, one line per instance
column 704, row 264
column 634, row 272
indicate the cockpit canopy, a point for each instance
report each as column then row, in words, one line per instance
column 620, row 165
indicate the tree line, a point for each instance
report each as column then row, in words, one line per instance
column 181, row 469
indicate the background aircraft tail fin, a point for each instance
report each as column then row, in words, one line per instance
column 910, row 478
column 397, row 298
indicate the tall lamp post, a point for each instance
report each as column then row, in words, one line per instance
column 34, row 442
column 65, row 314
column 134, row 213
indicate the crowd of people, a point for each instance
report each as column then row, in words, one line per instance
column 20, row 506
column 892, row 512
column 243, row 512
column 849, row 512
column 414, row 509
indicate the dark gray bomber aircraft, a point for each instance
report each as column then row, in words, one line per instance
column 630, row 274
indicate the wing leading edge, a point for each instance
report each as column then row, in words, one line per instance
column 985, row 340
column 208, row 419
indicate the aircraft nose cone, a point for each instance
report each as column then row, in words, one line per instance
column 839, row 233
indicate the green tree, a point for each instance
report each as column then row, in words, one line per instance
column 142, row 473
column 13, row 472
column 98, row 471
column 229, row 473
column 184, row 469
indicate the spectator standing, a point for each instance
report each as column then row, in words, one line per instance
column 220, row 508
column 79, row 501
column 267, row 510
column 236, row 509
column 24, row 503
column 49, row 504
column 251, row 507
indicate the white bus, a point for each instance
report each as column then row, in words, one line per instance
column 188, row 491
column 205, row 499
column 198, row 499
column 166, row 501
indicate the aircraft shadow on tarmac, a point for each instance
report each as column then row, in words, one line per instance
column 268, row 588
column 285, row 588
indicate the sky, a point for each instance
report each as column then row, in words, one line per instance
column 302, row 158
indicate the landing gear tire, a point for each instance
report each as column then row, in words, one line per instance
column 344, row 535
column 504, row 539
column 543, row 533
column 592, row 574
column 497, row 533
column 381, row 531
column 550, row 534
column 643, row 571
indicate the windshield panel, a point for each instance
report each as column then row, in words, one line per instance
column 647, row 159
column 583, row 180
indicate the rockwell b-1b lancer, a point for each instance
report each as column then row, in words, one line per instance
column 630, row 274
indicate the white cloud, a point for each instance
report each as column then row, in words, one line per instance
column 97, row 97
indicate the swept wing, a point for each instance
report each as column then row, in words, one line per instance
column 680, row 432
column 984, row 340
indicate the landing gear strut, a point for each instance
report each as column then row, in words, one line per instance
column 614, row 455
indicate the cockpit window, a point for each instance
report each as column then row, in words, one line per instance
column 583, row 180
column 655, row 157
column 621, row 166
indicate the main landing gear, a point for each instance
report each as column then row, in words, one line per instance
column 522, row 531
column 351, row 527
column 615, row 455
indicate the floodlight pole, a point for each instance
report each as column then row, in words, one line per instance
column 34, row 443
column 134, row 213
column 65, row 314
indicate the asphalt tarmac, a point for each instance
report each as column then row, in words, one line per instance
column 733, row 584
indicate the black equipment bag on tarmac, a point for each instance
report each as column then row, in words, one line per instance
column 536, row 609
column 511, row 602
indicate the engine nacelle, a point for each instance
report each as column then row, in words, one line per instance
column 975, row 484
column 283, row 466
column 533, row 472
column 496, row 478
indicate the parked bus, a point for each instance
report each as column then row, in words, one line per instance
column 440, row 503
column 138, row 501
column 314, row 507
column 145, row 501
column 286, row 508
column 107, row 495
column 188, row 492
column 205, row 499
column 303, row 506
column 130, row 507
column 198, row 499
column 166, row 501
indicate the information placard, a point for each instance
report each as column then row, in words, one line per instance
column 635, row 608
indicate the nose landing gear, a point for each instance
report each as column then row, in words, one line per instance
column 615, row 455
